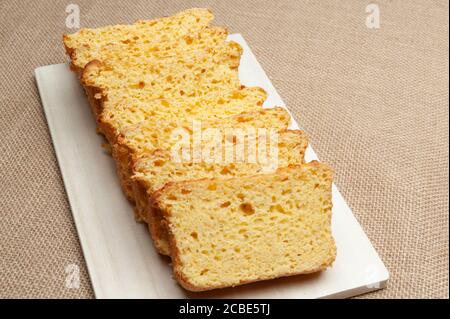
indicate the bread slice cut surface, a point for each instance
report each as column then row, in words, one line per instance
column 225, row 233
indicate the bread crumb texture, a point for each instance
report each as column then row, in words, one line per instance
column 229, row 232
column 89, row 44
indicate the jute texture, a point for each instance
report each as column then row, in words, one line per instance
column 373, row 101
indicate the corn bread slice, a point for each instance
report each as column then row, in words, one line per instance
column 87, row 44
column 195, row 73
column 121, row 112
column 130, row 52
column 154, row 171
column 145, row 136
column 145, row 74
column 225, row 233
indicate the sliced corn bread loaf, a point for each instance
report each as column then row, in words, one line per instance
column 173, row 83
column 154, row 171
column 136, row 140
column 86, row 45
column 230, row 232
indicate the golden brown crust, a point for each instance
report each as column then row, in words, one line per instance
column 90, row 67
column 119, row 152
column 71, row 54
column 158, row 229
column 95, row 103
column 186, row 284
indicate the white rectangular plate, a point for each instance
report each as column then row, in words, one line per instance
column 119, row 253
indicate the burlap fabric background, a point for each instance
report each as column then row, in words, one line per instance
column 374, row 102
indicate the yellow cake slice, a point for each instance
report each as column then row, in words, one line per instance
column 88, row 44
column 228, row 232
column 159, row 168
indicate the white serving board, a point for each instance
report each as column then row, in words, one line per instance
column 119, row 253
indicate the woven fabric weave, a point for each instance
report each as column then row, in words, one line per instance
column 373, row 101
